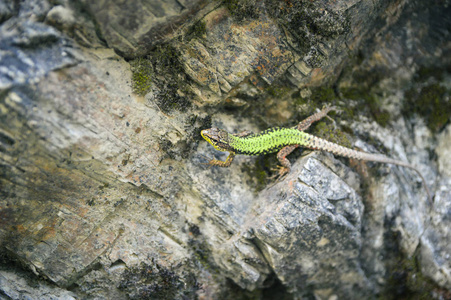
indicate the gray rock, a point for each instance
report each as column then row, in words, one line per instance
column 30, row 50
column 133, row 28
column 310, row 234
column 436, row 249
column 105, row 193
column 14, row 286
column 6, row 10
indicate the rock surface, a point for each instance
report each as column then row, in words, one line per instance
column 103, row 188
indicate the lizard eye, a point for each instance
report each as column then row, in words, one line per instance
column 209, row 136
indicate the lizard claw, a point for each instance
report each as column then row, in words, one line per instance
column 208, row 159
column 336, row 110
column 280, row 173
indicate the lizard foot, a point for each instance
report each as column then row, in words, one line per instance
column 336, row 110
column 280, row 173
column 207, row 159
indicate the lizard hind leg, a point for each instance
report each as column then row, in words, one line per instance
column 285, row 163
column 243, row 133
column 305, row 124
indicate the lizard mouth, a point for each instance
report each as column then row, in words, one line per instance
column 213, row 136
column 205, row 134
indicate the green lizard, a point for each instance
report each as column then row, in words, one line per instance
column 285, row 140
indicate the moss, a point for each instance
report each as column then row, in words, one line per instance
column 152, row 281
column 278, row 91
column 261, row 171
column 323, row 95
column 404, row 277
column 142, row 71
column 198, row 30
column 170, row 88
column 381, row 116
column 308, row 22
column 327, row 131
column 397, row 282
column 202, row 253
column 242, row 9
column 172, row 93
column 366, row 102
column 169, row 99
column 320, row 97
column 424, row 73
column 431, row 102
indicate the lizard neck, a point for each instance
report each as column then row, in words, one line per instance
column 268, row 141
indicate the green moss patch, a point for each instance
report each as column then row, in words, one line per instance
column 432, row 102
column 366, row 102
column 404, row 278
column 326, row 130
column 198, row 30
column 142, row 72
column 162, row 71
column 242, row 9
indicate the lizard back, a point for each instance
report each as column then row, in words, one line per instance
column 268, row 141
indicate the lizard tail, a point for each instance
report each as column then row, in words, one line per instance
column 316, row 143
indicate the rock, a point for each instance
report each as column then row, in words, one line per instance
column 230, row 53
column 133, row 28
column 15, row 286
column 27, row 47
column 105, row 193
column 443, row 152
column 435, row 250
column 6, row 11
column 319, row 220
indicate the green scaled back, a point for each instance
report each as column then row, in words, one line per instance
column 268, row 141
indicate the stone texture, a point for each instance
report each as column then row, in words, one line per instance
column 132, row 28
column 436, row 248
column 105, row 194
column 232, row 52
column 13, row 286
column 29, row 51
column 326, row 213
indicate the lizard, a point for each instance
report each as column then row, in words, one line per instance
column 284, row 141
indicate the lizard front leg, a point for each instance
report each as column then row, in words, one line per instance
column 224, row 164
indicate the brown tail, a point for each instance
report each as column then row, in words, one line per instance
column 317, row 143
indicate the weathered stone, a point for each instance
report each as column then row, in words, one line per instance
column 231, row 52
column 14, row 286
column 319, row 221
column 436, row 248
column 444, row 152
column 26, row 48
column 105, row 193
column 6, row 10
column 133, row 28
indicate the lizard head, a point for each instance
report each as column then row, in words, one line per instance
column 218, row 138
